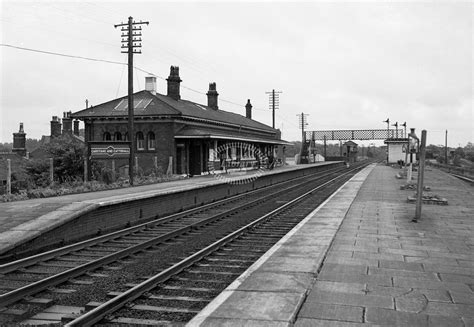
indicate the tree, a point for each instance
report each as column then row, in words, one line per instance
column 6, row 147
column 68, row 161
column 32, row 144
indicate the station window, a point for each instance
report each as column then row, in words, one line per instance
column 118, row 136
column 140, row 141
column 151, row 141
column 107, row 136
column 246, row 151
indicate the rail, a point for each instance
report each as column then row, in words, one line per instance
column 111, row 306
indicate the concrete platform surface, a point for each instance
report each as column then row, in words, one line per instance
column 21, row 221
column 359, row 260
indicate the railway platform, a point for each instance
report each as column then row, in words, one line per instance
column 22, row 221
column 360, row 260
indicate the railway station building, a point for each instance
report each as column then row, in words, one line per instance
column 177, row 136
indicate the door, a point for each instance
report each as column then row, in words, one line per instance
column 195, row 159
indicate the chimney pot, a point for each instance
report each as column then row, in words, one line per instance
column 150, row 84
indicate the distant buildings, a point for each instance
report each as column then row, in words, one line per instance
column 67, row 127
column 17, row 157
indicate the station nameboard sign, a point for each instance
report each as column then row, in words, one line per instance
column 110, row 151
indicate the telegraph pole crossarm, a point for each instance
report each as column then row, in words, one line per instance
column 274, row 103
column 131, row 31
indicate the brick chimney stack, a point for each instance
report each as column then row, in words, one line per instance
column 55, row 126
column 67, row 122
column 174, row 83
column 76, row 127
column 19, row 142
column 212, row 96
column 248, row 109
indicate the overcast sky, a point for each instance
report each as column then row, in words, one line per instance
column 348, row 65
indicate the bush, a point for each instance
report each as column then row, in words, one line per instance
column 68, row 162
column 74, row 186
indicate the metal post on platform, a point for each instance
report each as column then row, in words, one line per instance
column 421, row 172
column 409, row 173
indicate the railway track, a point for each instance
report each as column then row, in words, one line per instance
column 464, row 178
column 95, row 263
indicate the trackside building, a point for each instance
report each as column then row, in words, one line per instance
column 175, row 135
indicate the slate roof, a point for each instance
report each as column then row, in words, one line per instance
column 152, row 105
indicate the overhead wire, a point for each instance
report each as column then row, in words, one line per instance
column 136, row 68
column 60, row 54
column 198, row 66
column 120, row 81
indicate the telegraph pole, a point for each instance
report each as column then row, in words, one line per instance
column 131, row 40
column 274, row 103
column 302, row 123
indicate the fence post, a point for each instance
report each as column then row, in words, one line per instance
column 51, row 170
column 169, row 171
column 421, row 172
column 86, row 179
column 9, row 177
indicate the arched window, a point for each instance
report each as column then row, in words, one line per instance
column 140, row 141
column 107, row 136
column 151, row 141
column 118, row 136
column 126, row 137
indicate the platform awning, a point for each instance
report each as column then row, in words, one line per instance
column 197, row 133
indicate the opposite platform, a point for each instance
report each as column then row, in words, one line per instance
column 359, row 260
column 22, row 221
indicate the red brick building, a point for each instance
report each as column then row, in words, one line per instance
column 176, row 135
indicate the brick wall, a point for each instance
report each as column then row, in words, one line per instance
column 109, row 218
